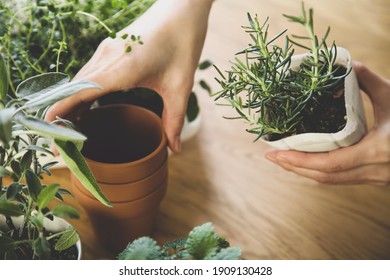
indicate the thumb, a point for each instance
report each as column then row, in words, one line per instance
column 173, row 120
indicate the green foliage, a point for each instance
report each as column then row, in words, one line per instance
column 270, row 95
column 23, row 129
column 40, row 36
column 76, row 163
column 200, row 244
column 3, row 79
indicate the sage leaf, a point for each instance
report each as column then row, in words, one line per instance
column 10, row 209
column 39, row 149
column 49, row 130
column 3, row 79
column 4, row 172
column 58, row 93
column 6, row 116
column 33, row 184
column 26, row 160
column 40, row 84
column 65, row 211
column 13, row 190
column 46, row 195
column 67, row 239
column 7, row 243
column 76, row 163
column 41, row 248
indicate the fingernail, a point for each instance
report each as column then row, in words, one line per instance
column 282, row 157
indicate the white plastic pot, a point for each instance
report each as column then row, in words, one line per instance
column 57, row 225
column 354, row 129
column 190, row 129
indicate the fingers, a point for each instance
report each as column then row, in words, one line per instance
column 338, row 160
column 173, row 120
column 369, row 174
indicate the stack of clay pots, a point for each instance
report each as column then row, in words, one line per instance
column 127, row 153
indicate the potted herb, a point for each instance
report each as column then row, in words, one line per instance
column 309, row 102
column 202, row 243
column 27, row 213
column 39, row 36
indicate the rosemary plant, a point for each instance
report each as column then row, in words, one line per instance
column 40, row 36
column 274, row 98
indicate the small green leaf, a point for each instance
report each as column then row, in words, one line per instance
column 26, row 160
column 128, row 49
column 65, row 211
column 202, row 243
column 62, row 192
column 49, row 130
column 58, row 93
column 15, row 166
column 41, row 248
column 41, row 84
column 37, row 220
column 4, row 172
column 39, row 149
column 192, row 108
column 124, row 36
column 34, row 184
column 6, row 116
column 7, row 243
column 143, row 248
column 13, row 190
column 205, row 86
column 205, row 64
column 231, row 253
column 10, row 209
column 76, row 163
column 67, row 239
column 112, row 35
column 3, row 79
column 46, row 196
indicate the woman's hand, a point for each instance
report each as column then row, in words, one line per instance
column 173, row 32
column 365, row 162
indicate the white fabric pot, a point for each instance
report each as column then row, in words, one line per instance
column 354, row 129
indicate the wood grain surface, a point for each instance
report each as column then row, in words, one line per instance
column 222, row 176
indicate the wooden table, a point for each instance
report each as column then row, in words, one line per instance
column 222, row 177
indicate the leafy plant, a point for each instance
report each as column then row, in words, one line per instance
column 40, row 36
column 200, row 244
column 276, row 99
column 21, row 151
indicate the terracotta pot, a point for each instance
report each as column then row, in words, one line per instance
column 117, row 226
column 127, row 152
